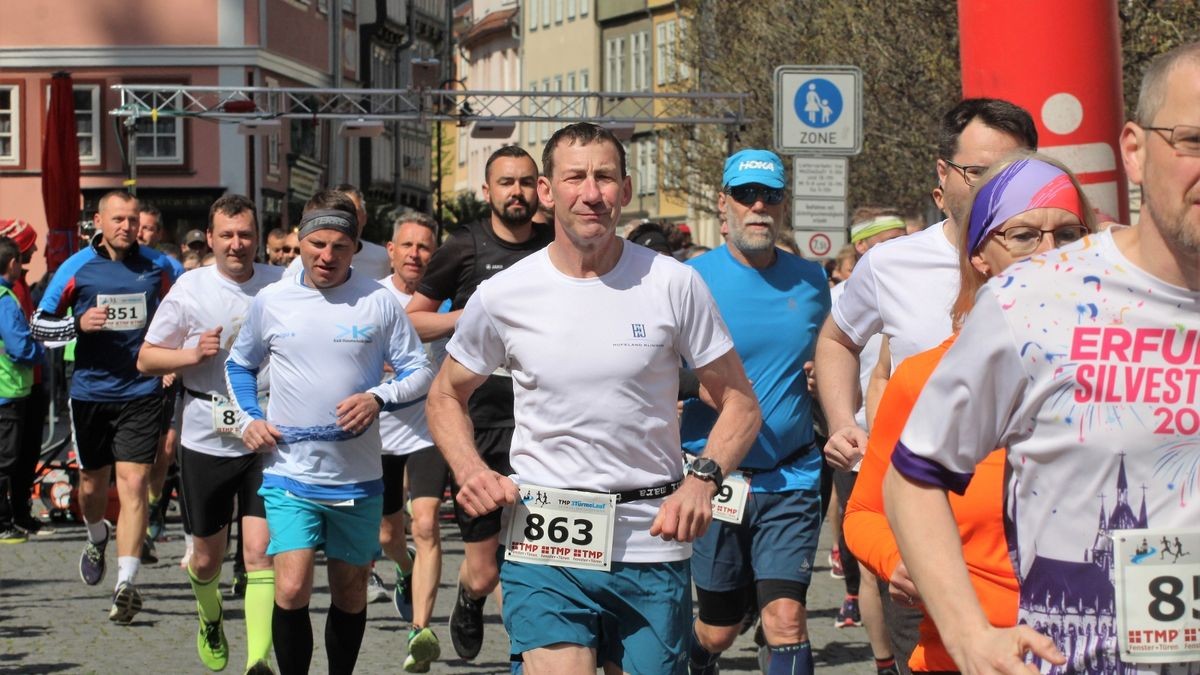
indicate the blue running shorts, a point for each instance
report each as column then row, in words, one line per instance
column 638, row 615
column 346, row 533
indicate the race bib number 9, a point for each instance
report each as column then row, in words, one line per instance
column 124, row 311
column 563, row 528
column 729, row 504
column 1157, row 583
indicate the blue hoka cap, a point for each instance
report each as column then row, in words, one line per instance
column 754, row 166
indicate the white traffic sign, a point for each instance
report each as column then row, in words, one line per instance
column 816, row 244
column 818, row 110
column 822, row 214
column 819, row 177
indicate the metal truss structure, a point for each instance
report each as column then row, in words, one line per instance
column 238, row 104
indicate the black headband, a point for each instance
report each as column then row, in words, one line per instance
column 328, row 219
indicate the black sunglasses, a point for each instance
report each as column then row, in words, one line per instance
column 747, row 195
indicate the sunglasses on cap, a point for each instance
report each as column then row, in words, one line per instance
column 747, row 195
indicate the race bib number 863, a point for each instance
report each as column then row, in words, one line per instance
column 564, row 528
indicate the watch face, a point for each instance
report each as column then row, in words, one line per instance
column 704, row 466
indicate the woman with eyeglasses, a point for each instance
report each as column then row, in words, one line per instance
column 1024, row 205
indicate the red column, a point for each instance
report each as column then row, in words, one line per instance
column 1061, row 61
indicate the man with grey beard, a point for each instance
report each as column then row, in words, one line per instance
column 767, row 515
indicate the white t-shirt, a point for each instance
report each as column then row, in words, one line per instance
column 371, row 261
column 404, row 431
column 903, row 288
column 201, row 300
column 326, row 345
column 1086, row 369
column 595, row 369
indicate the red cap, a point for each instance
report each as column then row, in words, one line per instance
column 682, row 227
column 21, row 232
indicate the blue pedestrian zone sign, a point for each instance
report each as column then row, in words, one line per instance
column 818, row 103
column 818, row 110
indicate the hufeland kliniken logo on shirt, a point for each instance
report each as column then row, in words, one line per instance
column 354, row 333
column 638, row 337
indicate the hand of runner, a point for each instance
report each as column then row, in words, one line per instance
column 261, row 436
column 356, row 412
column 902, row 589
column 485, row 491
column 810, row 374
column 685, row 515
column 209, row 344
column 846, row 447
column 1003, row 650
column 93, row 319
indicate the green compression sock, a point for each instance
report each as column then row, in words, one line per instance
column 208, row 596
column 258, row 607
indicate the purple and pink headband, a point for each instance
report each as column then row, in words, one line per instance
column 1022, row 186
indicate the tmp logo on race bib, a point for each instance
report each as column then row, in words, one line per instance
column 563, row 528
column 123, row 311
column 1157, row 584
column 729, row 504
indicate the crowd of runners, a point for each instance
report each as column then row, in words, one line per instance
column 641, row 440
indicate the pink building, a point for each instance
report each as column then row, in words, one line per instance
column 182, row 164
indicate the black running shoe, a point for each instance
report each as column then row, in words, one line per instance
column 466, row 625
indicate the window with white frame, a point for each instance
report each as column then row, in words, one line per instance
column 681, row 66
column 647, row 165
column 574, row 108
column 559, row 107
column 87, row 121
column 570, row 10
column 533, row 14
column 160, row 141
column 614, row 64
column 669, row 158
column 558, row 10
column 640, row 46
column 583, row 7
column 10, row 125
column 461, row 132
column 545, row 13
column 583, row 80
column 665, row 51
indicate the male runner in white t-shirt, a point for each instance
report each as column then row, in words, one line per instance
column 191, row 335
column 408, row 451
column 593, row 329
column 328, row 333
column 1084, row 363
column 904, row 288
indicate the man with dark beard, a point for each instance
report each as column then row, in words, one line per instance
column 470, row 256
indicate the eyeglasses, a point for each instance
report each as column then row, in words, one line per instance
column 1184, row 138
column 1024, row 240
column 747, row 195
column 970, row 172
column 289, row 249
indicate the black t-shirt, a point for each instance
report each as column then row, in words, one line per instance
column 469, row 257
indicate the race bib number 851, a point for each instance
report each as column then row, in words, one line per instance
column 564, row 528
column 1157, row 584
column 123, row 311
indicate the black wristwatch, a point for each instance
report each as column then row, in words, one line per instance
column 378, row 399
column 706, row 469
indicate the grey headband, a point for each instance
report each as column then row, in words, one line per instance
column 328, row 219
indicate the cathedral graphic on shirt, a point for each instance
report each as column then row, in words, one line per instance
column 1074, row 601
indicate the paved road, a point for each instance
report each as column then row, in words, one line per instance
column 51, row 623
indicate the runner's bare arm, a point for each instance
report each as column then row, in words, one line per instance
column 481, row 489
column 430, row 325
column 685, row 515
column 159, row 360
column 929, row 542
column 880, row 375
column 837, row 358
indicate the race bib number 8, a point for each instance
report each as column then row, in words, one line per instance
column 124, row 311
column 225, row 416
column 1157, row 583
column 564, row 528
